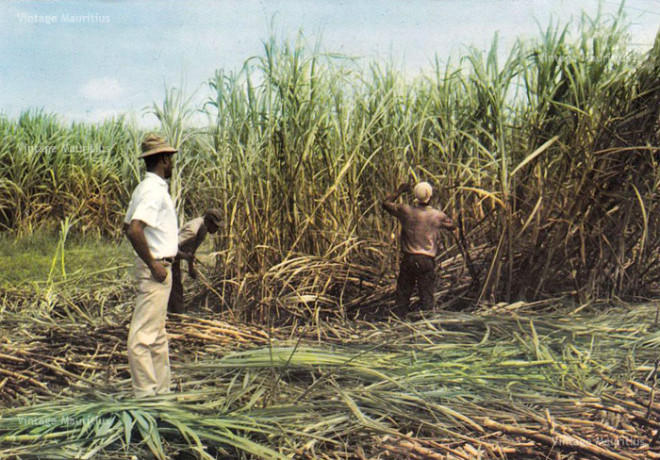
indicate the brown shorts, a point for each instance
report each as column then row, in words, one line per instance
column 415, row 270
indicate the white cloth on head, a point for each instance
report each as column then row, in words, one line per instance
column 151, row 203
column 423, row 192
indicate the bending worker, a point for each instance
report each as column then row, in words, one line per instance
column 420, row 233
column 151, row 227
column 191, row 236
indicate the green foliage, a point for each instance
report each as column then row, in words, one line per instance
column 50, row 172
column 39, row 257
column 302, row 144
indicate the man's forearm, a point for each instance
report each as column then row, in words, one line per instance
column 388, row 202
column 399, row 191
column 135, row 234
column 393, row 197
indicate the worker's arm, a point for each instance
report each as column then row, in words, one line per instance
column 199, row 239
column 135, row 234
column 446, row 222
column 388, row 202
column 181, row 254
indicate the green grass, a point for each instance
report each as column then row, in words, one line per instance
column 38, row 258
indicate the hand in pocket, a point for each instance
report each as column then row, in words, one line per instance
column 158, row 271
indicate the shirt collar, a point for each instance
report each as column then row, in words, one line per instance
column 158, row 179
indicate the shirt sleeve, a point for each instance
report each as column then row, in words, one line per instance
column 146, row 210
column 128, row 216
column 199, row 238
column 443, row 220
column 129, row 212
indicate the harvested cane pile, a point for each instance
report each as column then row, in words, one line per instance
column 59, row 357
column 512, row 381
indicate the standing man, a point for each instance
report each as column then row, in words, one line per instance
column 191, row 236
column 420, row 233
column 151, row 227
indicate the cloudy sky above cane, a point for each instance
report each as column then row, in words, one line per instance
column 87, row 60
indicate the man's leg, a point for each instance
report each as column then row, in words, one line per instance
column 426, row 282
column 146, row 331
column 175, row 303
column 404, row 285
column 160, row 354
column 160, row 357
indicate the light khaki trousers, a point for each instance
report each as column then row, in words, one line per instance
column 148, row 353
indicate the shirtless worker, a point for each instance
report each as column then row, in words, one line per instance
column 191, row 236
column 420, row 233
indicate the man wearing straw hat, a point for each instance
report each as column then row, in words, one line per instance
column 151, row 227
column 420, row 232
column 191, row 236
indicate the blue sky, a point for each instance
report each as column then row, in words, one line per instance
column 120, row 55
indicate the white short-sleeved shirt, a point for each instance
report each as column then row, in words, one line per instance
column 151, row 203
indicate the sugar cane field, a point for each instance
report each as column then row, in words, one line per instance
column 543, row 339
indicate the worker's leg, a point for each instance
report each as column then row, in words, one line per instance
column 426, row 278
column 404, row 285
column 175, row 303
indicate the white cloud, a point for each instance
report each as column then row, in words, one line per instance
column 102, row 89
column 92, row 115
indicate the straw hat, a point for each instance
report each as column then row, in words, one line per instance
column 423, row 192
column 153, row 145
column 214, row 215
